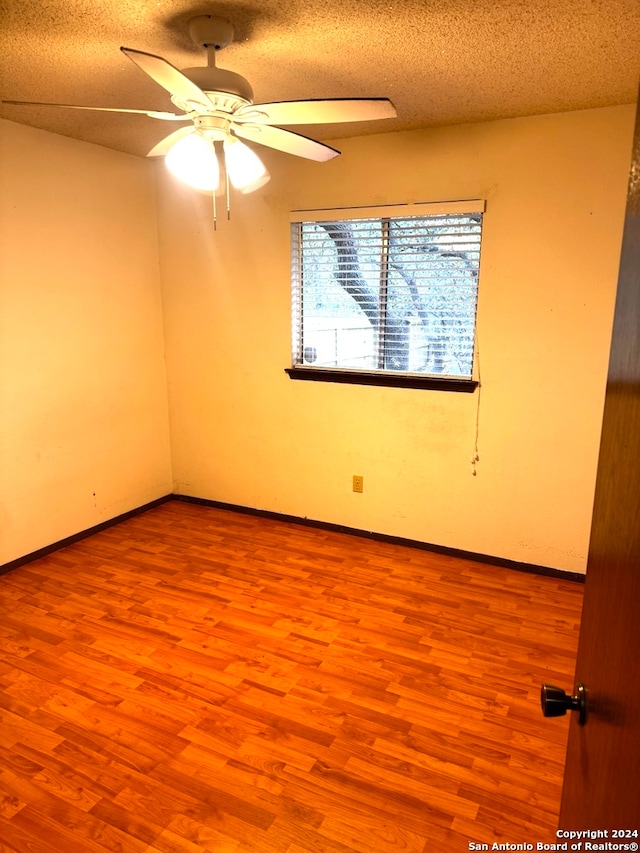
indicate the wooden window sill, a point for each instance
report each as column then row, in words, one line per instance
column 386, row 379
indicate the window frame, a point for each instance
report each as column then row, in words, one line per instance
column 381, row 377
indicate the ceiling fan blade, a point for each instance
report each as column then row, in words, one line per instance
column 168, row 76
column 151, row 113
column 168, row 142
column 286, row 140
column 318, row 112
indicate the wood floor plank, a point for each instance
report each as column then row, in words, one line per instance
column 196, row 680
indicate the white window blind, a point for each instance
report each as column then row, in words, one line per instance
column 391, row 290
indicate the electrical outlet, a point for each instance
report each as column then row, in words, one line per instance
column 358, row 483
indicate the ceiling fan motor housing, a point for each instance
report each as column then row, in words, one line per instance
column 214, row 80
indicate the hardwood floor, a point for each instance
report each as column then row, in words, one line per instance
column 194, row 680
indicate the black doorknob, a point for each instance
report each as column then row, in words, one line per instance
column 556, row 703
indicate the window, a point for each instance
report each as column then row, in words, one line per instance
column 387, row 295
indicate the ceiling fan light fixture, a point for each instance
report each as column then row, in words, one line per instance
column 245, row 169
column 193, row 161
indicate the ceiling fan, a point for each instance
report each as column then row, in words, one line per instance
column 219, row 106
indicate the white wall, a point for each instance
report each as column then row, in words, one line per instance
column 83, row 401
column 243, row 433
column 83, row 409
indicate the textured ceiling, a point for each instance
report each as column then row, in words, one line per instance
column 440, row 61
